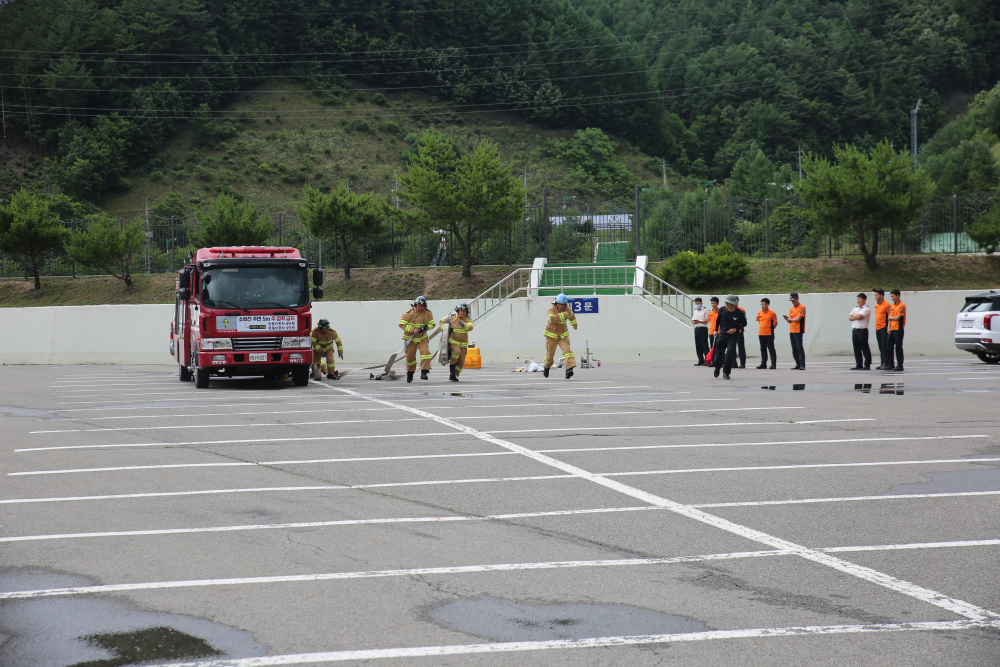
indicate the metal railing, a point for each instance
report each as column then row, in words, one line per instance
column 632, row 279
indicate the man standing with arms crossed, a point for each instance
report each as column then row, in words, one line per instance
column 897, row 323
column 699, row 320
column 882, row 328
column 765, row 332
column 859, row 318
column 796, row 319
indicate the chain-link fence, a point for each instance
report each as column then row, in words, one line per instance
column 566, row 229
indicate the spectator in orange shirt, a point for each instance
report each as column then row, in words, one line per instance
column 713, row 318
column 897, row 324
column 765, row 332
column 881, row 313
column 796, row 319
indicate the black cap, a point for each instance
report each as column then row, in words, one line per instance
column 793, row 295
column 895, row 291
column 878, row 290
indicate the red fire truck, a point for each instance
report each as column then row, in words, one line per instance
column 244, row 311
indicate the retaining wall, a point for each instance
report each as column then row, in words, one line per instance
column 627, row 328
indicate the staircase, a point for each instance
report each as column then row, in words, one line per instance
column 544, row 279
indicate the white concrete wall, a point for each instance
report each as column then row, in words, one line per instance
column 627, row 328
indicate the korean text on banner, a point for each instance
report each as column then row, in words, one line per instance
column 255, row 323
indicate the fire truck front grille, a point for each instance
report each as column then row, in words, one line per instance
column 254, row 344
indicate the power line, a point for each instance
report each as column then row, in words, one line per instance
column 785, row 20
column 651, row 95
column 429, row 53
column 773, row 57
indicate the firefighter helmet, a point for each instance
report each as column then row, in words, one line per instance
column 324, row 323
column 420, row 301
column 561, row 299
column 462, row 306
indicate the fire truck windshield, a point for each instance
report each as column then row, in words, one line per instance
column 255, row 287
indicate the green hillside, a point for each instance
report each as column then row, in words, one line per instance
column 290, row 138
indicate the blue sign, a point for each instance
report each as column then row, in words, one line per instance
column 584, row 305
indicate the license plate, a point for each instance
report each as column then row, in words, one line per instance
column 258, row 356
column 967, row 324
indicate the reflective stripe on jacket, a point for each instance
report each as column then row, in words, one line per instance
column 411, row 320
column 324, row 340
column 460, row 328
column 557, row 321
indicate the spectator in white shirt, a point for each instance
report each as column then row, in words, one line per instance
column 699, row 321
column 859, row 318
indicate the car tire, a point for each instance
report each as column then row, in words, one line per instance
column 988, row 358
column 201, row 376
column 300, row 376
column 183, row 373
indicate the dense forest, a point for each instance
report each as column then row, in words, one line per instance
column 101, row 84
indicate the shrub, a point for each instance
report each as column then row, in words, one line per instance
column 358, row 125
column 360, row 96
column 985, row 232
column 204, row 174
column 720, row 264
column 379, row 99
column 156, row 176
column 388, row 126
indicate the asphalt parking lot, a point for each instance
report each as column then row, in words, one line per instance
column 634, row 515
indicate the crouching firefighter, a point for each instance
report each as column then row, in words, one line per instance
column 557, row 333
column 415, row 323
column 323, row 339
column 459, row 325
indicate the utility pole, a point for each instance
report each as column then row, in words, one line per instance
column 3, row 105
column 664, row 165
column 800, row 160
column 913, row 131
column 349, row 188
column 526, row 174
column 392, row 221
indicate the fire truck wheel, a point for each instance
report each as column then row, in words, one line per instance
column 201, row 378
column 183, row 373
column 300, row 376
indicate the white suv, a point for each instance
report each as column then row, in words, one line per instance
column 977, row 326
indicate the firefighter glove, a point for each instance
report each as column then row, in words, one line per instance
column 340, row 354
column 422, row 328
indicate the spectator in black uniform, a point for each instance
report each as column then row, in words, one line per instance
column 731, row 323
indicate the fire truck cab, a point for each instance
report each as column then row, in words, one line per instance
column 244, row 311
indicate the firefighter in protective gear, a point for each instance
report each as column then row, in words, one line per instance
column 460, row 324
column 557, row 334
column 417, row 320
column 323, row 339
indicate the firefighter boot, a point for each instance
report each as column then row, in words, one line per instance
column 569, row 373
column 545, row 372
column 424, row 375
column 330, row 376
column 453, row 377
column 409, row 376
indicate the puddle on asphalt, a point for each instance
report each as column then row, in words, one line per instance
column 507, row 620
column 103, row 632
column 955, row 481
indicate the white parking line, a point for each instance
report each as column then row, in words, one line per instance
column 461, row 569
column 452, row 518
column 676, row 471
column 333, row 576
column 807, row 501
column 912, row 590
column 403, row 419
column 471, row 455
column 593, row 642
column 352, row 437
column 317, row 410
